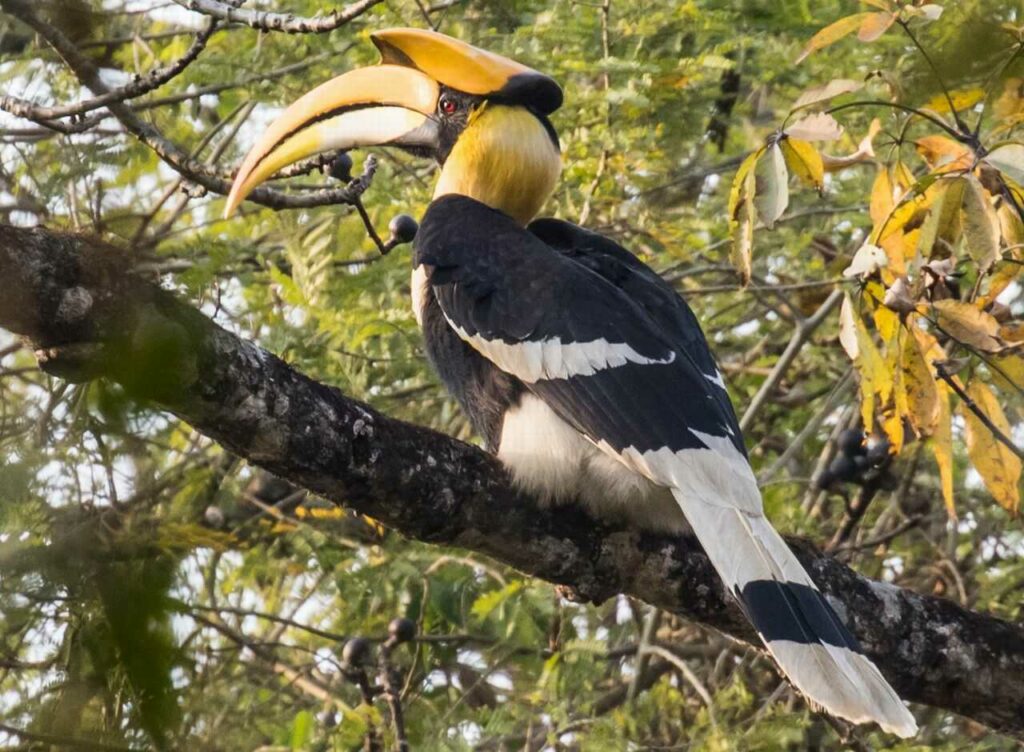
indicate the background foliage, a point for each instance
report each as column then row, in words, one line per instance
column 156, row 592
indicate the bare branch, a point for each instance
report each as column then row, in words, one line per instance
column 192, row 169
column 139, row 86
column 286, row 22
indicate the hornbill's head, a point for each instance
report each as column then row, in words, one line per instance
column 483, row 117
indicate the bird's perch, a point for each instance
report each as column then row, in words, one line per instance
column 89, row 317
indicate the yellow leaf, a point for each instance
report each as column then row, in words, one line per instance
column 943, row 220
column 738, row 191
column 743, row 243
column 998, row 466
column 742, row 217
column 893, row 414
column 967, row 325
column 1006, row 272
column 887, row 322
column 833, row 33
column 874, row 26
column 980, row 224
column 804, row 161
column 1011, row 227
column 963, row 99
column 1008, row 373
column 942, row 447
column 1011, row 101
column 1012, row 332
column 922, row 394
column 909, row 211
column 883, row 196
column 944, row 153
column 857, row 342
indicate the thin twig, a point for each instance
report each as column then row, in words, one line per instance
column 85, row 69
column 940, row 370
column 139, row 86
column 800, row 337
column 392, row 692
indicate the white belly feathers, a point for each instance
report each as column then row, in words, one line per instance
column 555, row 462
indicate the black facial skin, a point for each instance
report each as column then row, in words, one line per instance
column 453, row 110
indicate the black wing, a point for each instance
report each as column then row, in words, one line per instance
column 593, row 332
column 644, row 286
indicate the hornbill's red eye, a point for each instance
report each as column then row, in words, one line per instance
column 448, row 105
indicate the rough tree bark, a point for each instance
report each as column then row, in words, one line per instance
column 88, row 316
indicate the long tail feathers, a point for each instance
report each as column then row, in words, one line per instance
column 805, row 636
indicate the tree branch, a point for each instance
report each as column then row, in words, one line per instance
column 139, row 86
column 286, row 22
column 180, row 161
column 89, row 316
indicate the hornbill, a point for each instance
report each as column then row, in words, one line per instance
column 583, row 370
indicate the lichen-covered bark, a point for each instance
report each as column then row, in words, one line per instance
column 88, row 316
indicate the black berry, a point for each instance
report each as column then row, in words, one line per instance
column 842, row 468
column 341, row 167
column 851, row 442
column 356, row 651
column 403, row 228
column 878, row 450
column 402, row 630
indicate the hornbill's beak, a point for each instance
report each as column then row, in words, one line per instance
column 390, row 104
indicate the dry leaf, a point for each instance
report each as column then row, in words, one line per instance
column 942, row 447
column 866, row 261
column 817, row 127
column 897, row 297
column 980, row 224
column 998, row 466
column 945, row 153
column 966, row 324
column 830, row 90
column 848, row 329
column 865, row 151
column 922, row 393
column 875, row 25
column 771, row 196
column 833, row 33
column 1009, row 160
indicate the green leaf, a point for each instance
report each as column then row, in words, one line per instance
column 302, row 730
column 485, row 605
column 981, row 224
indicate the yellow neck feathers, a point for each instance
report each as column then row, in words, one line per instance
column 505, row 159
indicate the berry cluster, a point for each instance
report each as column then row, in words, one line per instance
column 858, row 455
